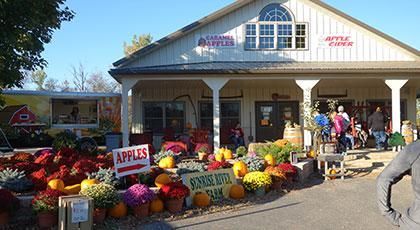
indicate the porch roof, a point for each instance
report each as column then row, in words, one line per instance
column 233, row 67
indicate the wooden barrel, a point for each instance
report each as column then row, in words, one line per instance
column 407, row 132
column 294, row 135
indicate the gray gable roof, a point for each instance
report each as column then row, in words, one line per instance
column 236, row 5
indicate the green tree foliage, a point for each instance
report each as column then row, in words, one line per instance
column 25, row 27
column 38, row 77
column 137, row 43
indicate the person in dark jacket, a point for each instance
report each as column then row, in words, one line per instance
column 377, row 125
column 237, row 135
column 408, row 160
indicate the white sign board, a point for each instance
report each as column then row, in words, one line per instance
column 216, row 41
column 79, row 211
column 336, row 41
column 131, row 160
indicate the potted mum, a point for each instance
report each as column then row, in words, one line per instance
column 173, row 194
column 203, row 152
column 277, row 177
column 104, row 197
column 257, row 182
column 289, row 169
column 138, row 197
column 9, row 204
column 45, row 204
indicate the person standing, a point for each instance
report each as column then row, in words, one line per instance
column 237, row 135
column 407, row 160
column 340, row 132
column 377, row 125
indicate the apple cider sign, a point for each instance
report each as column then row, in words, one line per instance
column 336, row 41
column 131, row 160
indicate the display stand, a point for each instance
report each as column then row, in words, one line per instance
column 327, row 158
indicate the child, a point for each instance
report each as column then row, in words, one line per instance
column 362, row 136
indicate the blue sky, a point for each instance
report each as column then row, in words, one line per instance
column 96, row 35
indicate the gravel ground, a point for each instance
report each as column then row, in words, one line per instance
column 349, row 204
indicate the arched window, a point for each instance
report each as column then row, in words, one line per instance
column 276, row 29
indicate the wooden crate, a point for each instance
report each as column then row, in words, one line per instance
column 65, row 213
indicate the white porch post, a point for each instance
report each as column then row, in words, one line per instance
column 307, row 86
column 215, row 84
column 126, row 85
column 395, row 86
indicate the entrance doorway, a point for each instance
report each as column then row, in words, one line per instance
column 271, row 118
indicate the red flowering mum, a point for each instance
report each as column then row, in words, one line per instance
column 45, row 159
column 23, row 157
column 46, row 200
column 288, row 168
column 85, row 166
column 39, row 178
column 215, row 165
column 174, row 190
column 67, row 152
column 27, row 167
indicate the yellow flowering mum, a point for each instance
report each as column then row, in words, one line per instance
column 254, row 180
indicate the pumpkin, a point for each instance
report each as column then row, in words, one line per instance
column 72, row 189
column 56, row 184
column 311, row 154
column 201, row 199
column 332, row 172
column 88, row 182
column 167, row 163
column 162, row 179
column 118, row 211
column 237, row 192
column 240, row 169
column 219, row 157
column 156, row 206
column 227, row 154
column 269, row 159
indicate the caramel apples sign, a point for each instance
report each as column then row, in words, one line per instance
column 131, row 160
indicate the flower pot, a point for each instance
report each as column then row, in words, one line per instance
column 260, row 191
column 202, row 156
column 141, row 211
column 4, row 218
column 99, row 215
column 47, row 219
column 174, row 205
column 276, row 185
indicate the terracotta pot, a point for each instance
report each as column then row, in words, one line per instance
column 276, row 185
column 174, row 205
column 141, row 211
column 99, row 215
column 47, row 219
column 202, row 156
column 4, row 218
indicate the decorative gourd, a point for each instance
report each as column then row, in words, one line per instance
column 88, row 182
column 162, row 179
column 269, row 159
column 118, row 211
column 56, row 184
column 156, row 206
column 167, row 163
column 237, row 192
column 201, row 200
column 227, row 154
column 219, row 157
column 311, row 154
column 240, row 169
column 332, row 172
column 72, row 189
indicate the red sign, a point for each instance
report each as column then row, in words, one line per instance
column 131, row 160
column 336, row 41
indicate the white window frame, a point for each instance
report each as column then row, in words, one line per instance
column 252, row 36
column 306, row 36
column 74, row 126
column 24, row 117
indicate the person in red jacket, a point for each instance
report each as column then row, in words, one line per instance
column 340, row 132
column 237, row 135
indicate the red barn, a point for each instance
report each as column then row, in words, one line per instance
column 17, row 114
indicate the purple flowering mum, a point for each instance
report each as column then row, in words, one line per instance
column 138, row 194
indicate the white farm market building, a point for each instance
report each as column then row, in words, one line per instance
column 256, row 61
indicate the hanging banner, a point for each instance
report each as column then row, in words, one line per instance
column 216, row 41
column 131, row 160
column 336, row 41
column 215, row 183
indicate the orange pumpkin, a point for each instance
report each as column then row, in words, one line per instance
column 72, row 189
column 88, row 182
column 201, row 199
column 56, row 184
column 162, row 179
column 332, row 172
column 156, row 206
column 118, row 211
column 237, row 192
column 240, row 169
column 219, row 157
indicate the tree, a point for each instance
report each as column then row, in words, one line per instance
column 65, row 86
column 51, row 84
column 26, row 26
column 97, row 82
column 137, row 43
column 80, row 77
column 38, row 78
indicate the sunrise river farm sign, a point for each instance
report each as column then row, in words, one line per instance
column 215, row 183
